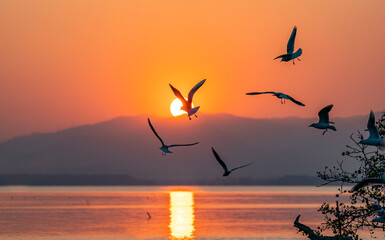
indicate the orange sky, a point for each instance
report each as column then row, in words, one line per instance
column 66, row 63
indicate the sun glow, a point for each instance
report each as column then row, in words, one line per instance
column 181, row 215
column 175, row 107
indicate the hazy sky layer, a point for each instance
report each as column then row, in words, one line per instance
column 66, row 63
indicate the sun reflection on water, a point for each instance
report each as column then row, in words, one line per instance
column 181, row 215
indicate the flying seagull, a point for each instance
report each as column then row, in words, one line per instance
column 374, row 138
column 165, row 147
column 187, row 104
column 227, row 172
column 369, row 181
column 380, row 212
column 279, row 95
column 291, row 55
column 324, row 122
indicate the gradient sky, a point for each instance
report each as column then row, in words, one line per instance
column 65, row 63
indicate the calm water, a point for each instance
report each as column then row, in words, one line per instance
column 176, row 212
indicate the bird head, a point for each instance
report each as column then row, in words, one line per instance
column 184, row 108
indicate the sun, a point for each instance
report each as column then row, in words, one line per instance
column 175, row 107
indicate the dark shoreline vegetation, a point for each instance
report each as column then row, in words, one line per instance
column 127, row 180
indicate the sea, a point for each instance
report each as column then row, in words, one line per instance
column 160, row 212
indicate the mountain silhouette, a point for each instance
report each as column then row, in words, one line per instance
column 126, row 145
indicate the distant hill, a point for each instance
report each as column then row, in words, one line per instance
column 126, row 145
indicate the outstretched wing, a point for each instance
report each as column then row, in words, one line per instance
column 279, row 56
column 372, row 126
column 241, row 166
column 324, row 114
column 181, row 145
column 290, row 43
column 257, row 93
column 178, row 95
column 194, row 89
column 366, row 182
column 220, row 160
column 295, row 101
column 156, row 134
column 296, row 54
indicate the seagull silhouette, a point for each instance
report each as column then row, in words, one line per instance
column 369, row 182
column 187, row 104
column 227, row 172
column 380, row 212
column 279, row 95
column 374, row 138
column 148, row 216
column 324, row 122
column 291, row 55
column 164, row 147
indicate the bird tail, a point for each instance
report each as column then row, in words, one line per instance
column 167, row 151
column 192, row 111
column 333, row 128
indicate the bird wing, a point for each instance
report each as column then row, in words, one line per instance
column 373, row 131
column 297, row 53
column 194, row 89
column 181, row 145
column 178, row 95
column 279, row 56
column 257, row 93
column 324, row 114
column 220, row 160
column 241, row 166
column 290, row 43
column 366, row 182
column 295, row 101
column 156, row 134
